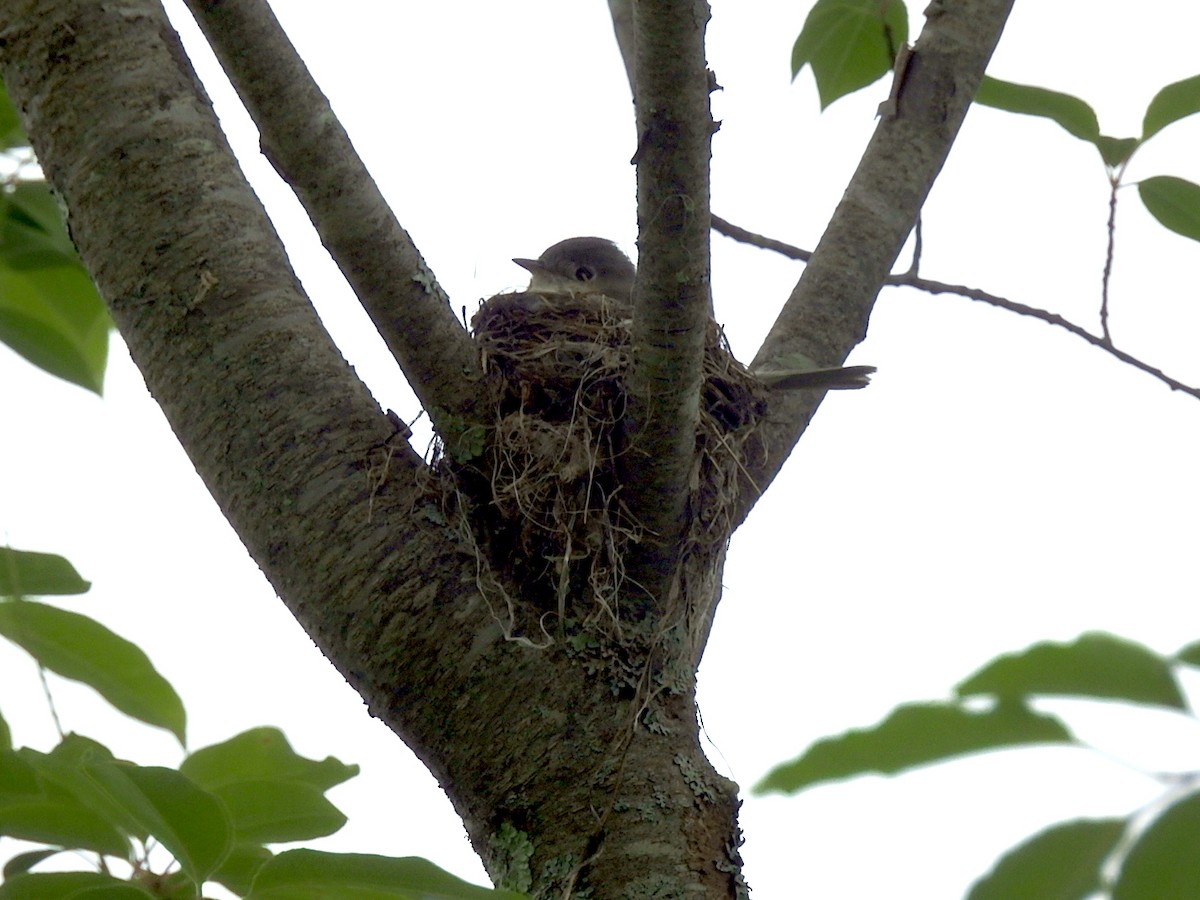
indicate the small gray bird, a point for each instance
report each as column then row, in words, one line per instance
column 582, row 265
column 593, row 265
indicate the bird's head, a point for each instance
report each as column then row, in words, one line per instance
column 582, row 265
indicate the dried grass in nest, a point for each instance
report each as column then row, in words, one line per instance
column 552, row 461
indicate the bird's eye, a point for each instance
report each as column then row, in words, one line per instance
column 584, row 273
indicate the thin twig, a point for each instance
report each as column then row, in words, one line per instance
column 722, row 226
column 1096, row 340
column 1115, row 182
column 1103, row 341
column 50, row 701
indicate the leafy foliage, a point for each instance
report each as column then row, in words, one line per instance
column 1174, row 102
column 1071, row 113
column 1071, row 860
column 309, row 875
column 11, row 133
column 1095, row 665
column 849, row 44
column 213, row 816
column 1174, row 202
column 1165, row 861
column 912, row 736
column 50, row 312
column 80, row 648
column 1062, row 863
column 25, row 572
column 842, row 41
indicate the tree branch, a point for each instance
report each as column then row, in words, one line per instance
column 826, row 315
column 727, row 228
column 671, row 295
column 1103, row 341
column 621, row 12
column 342, row 518
column 310, row 150
column 930, row 286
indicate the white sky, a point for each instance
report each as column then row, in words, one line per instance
column 999, row 483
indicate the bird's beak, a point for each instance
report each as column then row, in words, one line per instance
column 533, row 265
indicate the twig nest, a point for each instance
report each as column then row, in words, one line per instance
column 553, row 457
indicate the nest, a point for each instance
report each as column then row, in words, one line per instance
column 552, row 462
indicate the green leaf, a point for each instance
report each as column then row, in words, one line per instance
column 61, row 780
column 188, row 821
column 18, row 778
column 27, row 572
column 310, row 875
column 70, row 886
column 1190, row 654
column 1116, row 151
column 1174, row 102
column 273, row 794
column 32, row 230
column 914, row 735
column 50, row 312
column 5, row 735
column 271, row 811
column 77, row 750
column 1095, row 665
column 1070, row 112
column 239, row 867
column 67, row 886
column 1174, row 202
column 39, row 802
column 849, row 44
column 52, row 317
column 1060, row 863
column 23, row 862
column 1164, row 864
column 258, row 754
column 61, row 823
column 11, row 134
column 80, row 648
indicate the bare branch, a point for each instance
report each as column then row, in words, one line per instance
column 311, row 151
column 1096, row 340
column 622, row 19
column 1106, row 277
column 930, row 286
column 727, row 228
column 671, row 295
column 826, row 315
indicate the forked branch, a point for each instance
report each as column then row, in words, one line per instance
column 310, row 150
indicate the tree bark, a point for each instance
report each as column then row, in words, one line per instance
column 571, row 765
column 672, row 298
column 310, row 150
column 573, row 758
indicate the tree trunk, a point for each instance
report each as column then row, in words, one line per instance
column 549, row 690
column 573, row 759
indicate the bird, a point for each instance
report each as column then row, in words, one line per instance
column 595, row 265
column 582, row 265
